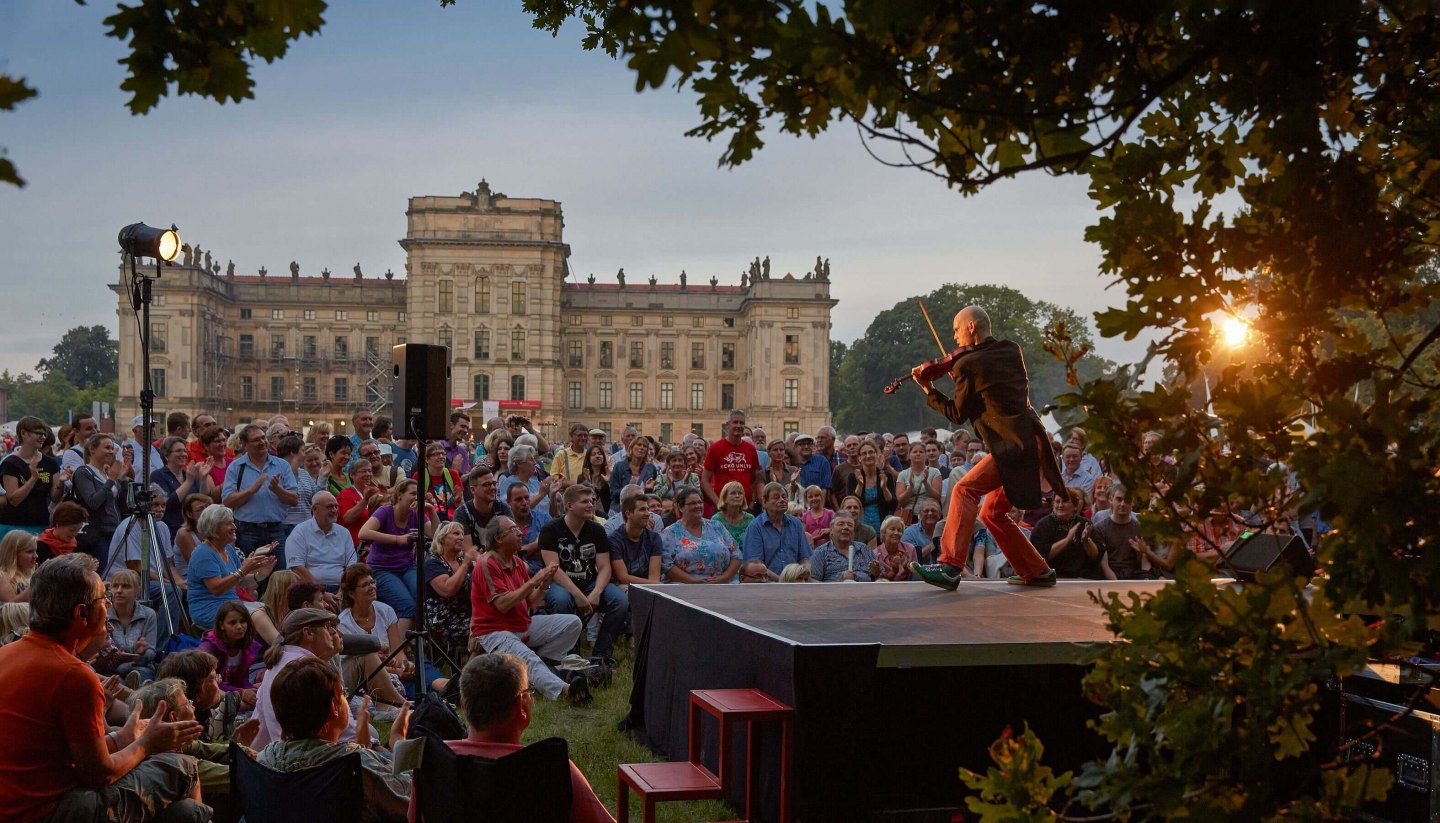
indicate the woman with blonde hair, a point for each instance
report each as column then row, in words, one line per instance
column 276, row 600
column 17, row 564
column 795, row 573
column 14, row 621
column 732, row 513
column 447, row 587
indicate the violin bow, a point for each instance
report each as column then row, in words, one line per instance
column 932, row 327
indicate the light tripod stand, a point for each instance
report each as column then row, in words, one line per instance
column 139, row 240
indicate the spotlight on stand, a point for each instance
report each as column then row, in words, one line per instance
column 140, row 240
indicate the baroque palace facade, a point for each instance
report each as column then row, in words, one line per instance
column 488, row 277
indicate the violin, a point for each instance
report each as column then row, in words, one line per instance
column 931, row 369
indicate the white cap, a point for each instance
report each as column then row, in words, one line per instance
column 138, row 421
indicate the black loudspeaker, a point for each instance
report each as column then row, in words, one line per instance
column 422, row 391
column 1254, row 552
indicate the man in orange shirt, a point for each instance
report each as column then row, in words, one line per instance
column 58, row 763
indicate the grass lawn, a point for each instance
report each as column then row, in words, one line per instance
column 597, row 748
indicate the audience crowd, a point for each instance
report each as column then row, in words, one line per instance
column 282, row 574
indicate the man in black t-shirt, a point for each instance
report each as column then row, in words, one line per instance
column 578, row 545
column 475, row 514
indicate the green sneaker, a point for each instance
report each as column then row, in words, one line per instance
column 936, row 575
column 1047, row 579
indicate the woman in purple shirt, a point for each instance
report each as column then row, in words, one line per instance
column 392, row 531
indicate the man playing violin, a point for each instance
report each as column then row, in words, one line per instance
column 992, row 391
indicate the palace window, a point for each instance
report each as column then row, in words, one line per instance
column 574, row 394
column 482, row 295
column 247, row 388
column 308, row 314
column 637, row 395
column 518, row 303
column 697, row 355
column 308, row 390
column 667, row 396
column 342, row 389
column 481, row 385
column 157, row 382
column 606, row 391
column 517, row 347
column 308, row 347
column 637, row 354
column 792, row 349
column 517, row 387
column 667, row 355
column 727, row 395
column 482, row 344
column 697, row 396
column 727, row 355
column 574, row 355
column 445, row 296
column 342, row 347
column 607, row 354
column 792, row 393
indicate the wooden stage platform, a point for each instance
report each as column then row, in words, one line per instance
column 898, row 678
column 983, row 623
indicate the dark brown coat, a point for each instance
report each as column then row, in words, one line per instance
column 992, row 391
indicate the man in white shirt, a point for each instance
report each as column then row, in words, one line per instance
column 319, row 549
column 139, row 443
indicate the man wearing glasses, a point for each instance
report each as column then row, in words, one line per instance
column 58, row 761
column 495, row 691
column 320, row 548
column 259, row 487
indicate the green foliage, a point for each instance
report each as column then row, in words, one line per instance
column 205, row 47
column 51, row 397
column 838, row 352
column 86, row 357
column 1213, row 695
column 1316, row 128
column 898, row 339
column 1018, row 787
column 13, row 92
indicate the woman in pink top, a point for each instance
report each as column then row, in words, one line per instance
column 893, row 556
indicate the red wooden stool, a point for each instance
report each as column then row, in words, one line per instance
column 659, row 782
column 748, row 706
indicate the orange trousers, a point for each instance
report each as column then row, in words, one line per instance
column 983, row 480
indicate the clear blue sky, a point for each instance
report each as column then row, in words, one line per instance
column 395, row 100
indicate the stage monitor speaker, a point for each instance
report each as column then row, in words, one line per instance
column 1255, row 552
column 422, row 391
